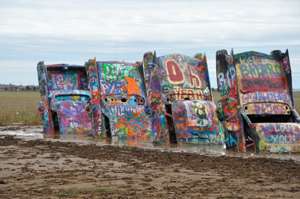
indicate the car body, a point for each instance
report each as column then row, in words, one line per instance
column 179, row 96
column 121, row 93
column 256, row 105
column 65, row 106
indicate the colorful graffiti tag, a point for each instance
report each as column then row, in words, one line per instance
column 43, row 106
column 65, row 105
column 179, row 95
column 228, row 104
column 123, row 100
column 184, row 77
column 60, row 78
column 94, row 88
column 261, row 98
column 256, row 97
column 267, row 108
column 152, row 76
column 279, row 137
column 72, row 112
column 259, row 73
column 197, row 122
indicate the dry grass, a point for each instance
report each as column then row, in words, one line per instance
column 21, row 107
column 297, row 100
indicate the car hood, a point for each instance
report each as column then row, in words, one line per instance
column 195, row 113
column 73, row 116
column 196, row 121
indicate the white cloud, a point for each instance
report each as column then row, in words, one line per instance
column 200, row 21
column 76, row 30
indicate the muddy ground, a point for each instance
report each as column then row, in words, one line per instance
column 48, row 169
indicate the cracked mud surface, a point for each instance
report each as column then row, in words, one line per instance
column 47, row 169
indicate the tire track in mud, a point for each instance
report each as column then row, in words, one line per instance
column 48, row 169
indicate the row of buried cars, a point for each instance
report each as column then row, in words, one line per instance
column 168, row 99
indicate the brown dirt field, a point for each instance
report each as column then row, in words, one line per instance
column 48, row 169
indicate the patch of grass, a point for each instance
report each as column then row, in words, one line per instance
column 19, row 107
column 297, row 100
column 66, row 193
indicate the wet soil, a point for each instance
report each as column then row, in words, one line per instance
column 52, row 169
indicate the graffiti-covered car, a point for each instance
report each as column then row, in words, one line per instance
column 120, row 89
column 65, row 106
column 179, row 97
column 256, row 105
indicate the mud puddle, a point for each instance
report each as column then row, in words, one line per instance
column 35, row 133
column 22, row 132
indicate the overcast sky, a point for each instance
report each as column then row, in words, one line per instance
column 59, row 31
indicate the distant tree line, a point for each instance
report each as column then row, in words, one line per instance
column 13, row 87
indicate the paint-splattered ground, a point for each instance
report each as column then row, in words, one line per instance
column 48, row 169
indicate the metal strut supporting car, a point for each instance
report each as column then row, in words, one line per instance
column 65, row 100
column 119, row 86
column 179, row 97
column 256, row 105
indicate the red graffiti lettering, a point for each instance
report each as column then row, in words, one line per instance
column 175, row 75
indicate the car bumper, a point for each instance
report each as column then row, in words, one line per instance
column 278, row 137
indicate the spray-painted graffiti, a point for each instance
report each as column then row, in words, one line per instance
column 278, row 97
column 152, row 78
column 72, row 113
column 65, row 105
column 266, row 108
column 227, row 80
column 279, row 137
column 185, row 76
column 228, row 104
column 228, row 112
column 43, row 106
column 192, row 94
column 123, row 106
column 179, row 95
column 66, row 80
column 94, row 87
column 260, row 99
column 196, row 122
column 259, row 73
